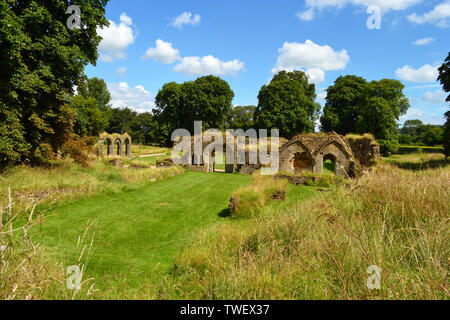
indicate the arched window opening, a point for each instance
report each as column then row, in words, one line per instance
column 301, row 162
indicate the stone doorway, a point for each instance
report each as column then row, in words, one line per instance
column 301, row 163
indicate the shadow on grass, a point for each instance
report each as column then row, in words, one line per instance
column 225, row 213
column 415, row 166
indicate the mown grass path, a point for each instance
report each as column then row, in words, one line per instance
column 138, row 233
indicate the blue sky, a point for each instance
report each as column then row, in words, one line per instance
column 150, row 43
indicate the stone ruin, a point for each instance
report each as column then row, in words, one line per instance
column 309, row 152
column 117, row 145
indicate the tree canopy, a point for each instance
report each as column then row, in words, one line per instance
column 206, row 99
column 92, row 106
column 444, row 78
column 340, row 111
column 42, row 60
column 241, row 117
column 354, row 105
column 287, row 103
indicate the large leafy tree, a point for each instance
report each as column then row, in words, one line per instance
column 206, row 99
column 340, row 112
column 287, row 103
column 241, row 117
column 42, row 60
column 92, row 106
column 444, row 78
column 381, row 105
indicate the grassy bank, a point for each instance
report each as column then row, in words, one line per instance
column 64, row 179
column 321, row 248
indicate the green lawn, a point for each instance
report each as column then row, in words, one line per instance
column 139, row 232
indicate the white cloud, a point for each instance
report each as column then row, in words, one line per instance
column 164, row 52
column 413, row 113
column 424, row 41
column 307, row 15
column 186, row 18
column 208, row 65
column 313, row 58
column 439, row 16
column 426, row 73
column 436, row 97
column 122, row 71
column 385, row 5
column 116, row 39
column 136, row 98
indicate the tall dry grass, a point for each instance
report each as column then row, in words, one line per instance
column 395, row 219
column 29, row 271
column 64, row 179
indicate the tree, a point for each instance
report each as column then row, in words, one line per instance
column 444, row 78
column 412, row 127
column 207, row 99
column 42, row 60
column 380, row 106
column 287, row 103
column 92, row 106
column 444, row 75
column 340, row 111
column 415, row 132
column 241, row 117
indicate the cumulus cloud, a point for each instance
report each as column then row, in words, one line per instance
column 186, row 18
column 208, row 65
column 137, row 98
column 163, row 52
column 439, row 16
column 424, row 41
column 116, row 39
column 122, row 71
column 307, row 15
column 426, row 73
column 436, row 97
column 384, row 5
column 314, row 59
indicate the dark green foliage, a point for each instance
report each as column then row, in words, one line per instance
column 92, row 106
column 288, row 104
column 444, row 78
column 444, row 75
column 207, row 99
column 340, row 112
column 446, row 135
column 356, row 106
column 140, row 127
column 241, row 117
column 41, row 63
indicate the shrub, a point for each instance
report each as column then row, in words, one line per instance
column 43, row 154
column 251, row 200
column 77, row 149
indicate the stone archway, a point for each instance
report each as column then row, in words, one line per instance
column 301, row 163
column 114, row 145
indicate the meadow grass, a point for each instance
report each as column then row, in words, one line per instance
column 139, row 232
column 173, row 240
column 64, row 179
column 321, row 248
column 140, row 150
